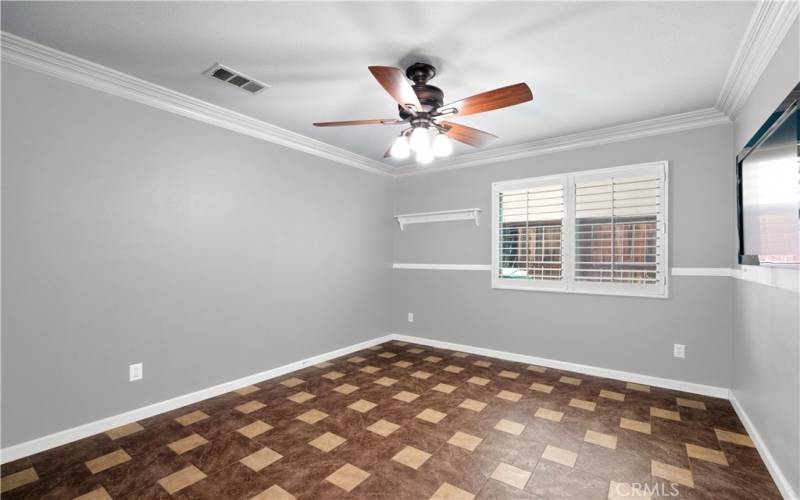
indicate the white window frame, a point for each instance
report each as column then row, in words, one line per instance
column 568, row 284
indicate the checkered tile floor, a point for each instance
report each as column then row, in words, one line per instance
column 413, row 422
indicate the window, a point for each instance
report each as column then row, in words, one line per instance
column 598, row 231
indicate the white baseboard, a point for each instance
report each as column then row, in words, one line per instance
column 66, row 436
column 772, row 466
column 678, row 385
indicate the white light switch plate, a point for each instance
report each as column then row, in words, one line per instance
column 679, row 351
column 410, row 317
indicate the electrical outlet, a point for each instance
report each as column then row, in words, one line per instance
column 410, row 317
column 679, row 351
column 136, row 372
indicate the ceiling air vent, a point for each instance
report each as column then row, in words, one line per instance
column 235, row 78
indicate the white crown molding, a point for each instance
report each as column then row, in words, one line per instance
column 51, row 62
column 646, row 128
column 770, row 22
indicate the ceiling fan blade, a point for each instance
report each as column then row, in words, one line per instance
column 388, row 121
column 468, row 135
column 396, row 84
column 493, row 99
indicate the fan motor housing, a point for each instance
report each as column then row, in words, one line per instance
column 429, row 96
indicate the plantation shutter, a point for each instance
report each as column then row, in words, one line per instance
column 619, row 229
column 530, row 226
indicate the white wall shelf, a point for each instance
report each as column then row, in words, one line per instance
column 441, row 216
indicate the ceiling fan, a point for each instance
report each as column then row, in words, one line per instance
column 421, row 108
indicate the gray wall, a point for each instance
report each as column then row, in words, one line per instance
column 631, row 334
column 766, row 349
column 131, row 234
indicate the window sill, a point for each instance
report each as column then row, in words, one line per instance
column 615, row 293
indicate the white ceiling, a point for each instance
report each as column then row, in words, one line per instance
column 590, row 64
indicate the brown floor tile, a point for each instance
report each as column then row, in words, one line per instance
column 290, row 434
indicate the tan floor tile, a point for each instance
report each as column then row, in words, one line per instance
column 383, row 427
column 421, row 375
column 402, row 364
column 482, row 364
column 312, row 416
column 635, row 425
column 431, row 416
column 301, row 397
column 405, row 396
column 181, row 479
column 248, row 389
column 616, row 396
column 460, row 354
column 454, row 369
column 511, row 475
column 261, row 459
column 98, row 494
column 433, row 359
column 471, row 404
column 627, row 491
column 181, row 446
column 734, row 437
column 327, row 441
column 672, row 473
column 479, row 381
column 600, row 439
column 582, row 404
column 445, row 388
column 347, row 477
column 691, row 403
column 250, row 407
column 334, row 375
column 18, row 479
column 666, row 414
column 508, row 374
column 370, row 369
column 191, row 418
column 346, row 389
column 707, row 454
column 400, row 343
column 356, row 359
column 449, row 492
column 546, row 414
column 509, row 396
column 255, row 429
column 637, row 387
column 570, row 380
column 510, row 427
column 386, row 381
column 107, row 461
column 464, row 440
column 293, row 382
column 411, row 457
column 125, row 430
column 376, row 348
column 547, row 389
column 416, row 350
column 362, row 405
column 274, row 492
column 537, row 369
column 560, row 455
column 324, row 364
column 387, row 355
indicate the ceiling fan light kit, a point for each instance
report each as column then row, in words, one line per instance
column 420, row 106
